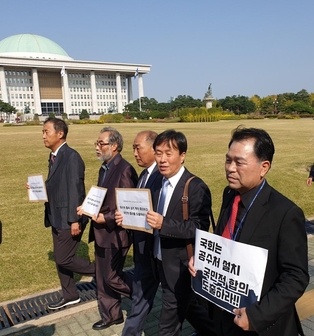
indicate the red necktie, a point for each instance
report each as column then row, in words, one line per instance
column 232, row 220
column 52, row 158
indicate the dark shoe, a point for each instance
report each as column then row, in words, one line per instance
column 100, row 325
column 63, row 303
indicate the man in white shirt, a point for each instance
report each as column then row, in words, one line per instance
column 145, row 282
column 172, row 234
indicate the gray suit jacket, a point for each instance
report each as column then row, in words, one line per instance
column 65, row 189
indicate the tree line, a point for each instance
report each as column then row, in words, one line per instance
column 180, row 107
column 301, row 102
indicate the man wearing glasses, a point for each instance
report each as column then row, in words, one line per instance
column 111, row 241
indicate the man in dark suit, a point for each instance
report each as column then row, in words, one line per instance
column 111, row 241
column 172, row 233
column 66, row 191
column 311, row 176
column 145, row 284
column 266, row 219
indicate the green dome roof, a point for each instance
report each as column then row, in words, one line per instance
column 32, row 46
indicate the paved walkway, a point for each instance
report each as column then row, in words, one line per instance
column 78, row 320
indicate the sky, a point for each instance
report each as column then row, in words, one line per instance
column 242, row 47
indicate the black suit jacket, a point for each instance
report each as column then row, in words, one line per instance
column 278, row 225
column 143, row 241
column 175, row 231
column 65, row 189
column 121, row 174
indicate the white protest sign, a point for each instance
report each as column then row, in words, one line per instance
column 229, row 274
column 37, row 189
column 93, row 201
column 134, row 203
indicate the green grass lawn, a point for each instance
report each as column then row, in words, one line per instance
column 26, row 261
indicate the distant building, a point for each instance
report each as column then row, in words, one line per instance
column 38, row 76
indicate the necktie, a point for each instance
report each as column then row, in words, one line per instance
column 143, row 179
column 160, row 210
column 229, row 229
column 105, row 167
column 52, row 158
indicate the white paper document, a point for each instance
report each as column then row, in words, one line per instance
column 93, row 201
column 37, row 189
column 134, row 203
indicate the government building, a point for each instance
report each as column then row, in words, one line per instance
column 38, row 76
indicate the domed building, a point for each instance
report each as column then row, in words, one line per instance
column 38, row 76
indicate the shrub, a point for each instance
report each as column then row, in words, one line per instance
column 84, row 115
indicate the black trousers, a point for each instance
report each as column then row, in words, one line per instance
column 145, row 284
column 67, row 263
column 180, row 305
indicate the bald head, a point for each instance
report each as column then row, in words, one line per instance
column 143, row 148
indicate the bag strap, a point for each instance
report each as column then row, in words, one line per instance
column 185, row 208
column 185, row 200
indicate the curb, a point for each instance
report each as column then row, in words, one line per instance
column 49, row 319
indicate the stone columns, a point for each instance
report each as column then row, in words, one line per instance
column 130, row 90
column 94, row 93
column 140, row 86
column 65, row 93
column 3, row 86
column 118, row 89
column 36, row 91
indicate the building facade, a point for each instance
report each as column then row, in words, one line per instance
column 38, row 76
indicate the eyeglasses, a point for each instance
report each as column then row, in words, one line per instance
column 101, row 144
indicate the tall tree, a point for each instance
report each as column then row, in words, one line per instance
column 299, row 107
column 6, row 107
column 237, row 104
column 256, row 99
column 302, row 96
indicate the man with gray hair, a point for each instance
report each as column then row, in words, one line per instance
column 112, row 242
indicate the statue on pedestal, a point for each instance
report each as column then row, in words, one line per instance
column 209, row 93
column 208, row 98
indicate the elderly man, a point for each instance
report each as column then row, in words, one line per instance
column 145, row 284
column 111, row 241
column 267, row 219
column 172, row 233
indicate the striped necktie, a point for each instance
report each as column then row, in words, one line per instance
column 160, row 210
column 105, row 167
column 52, row 159
column 143, row 179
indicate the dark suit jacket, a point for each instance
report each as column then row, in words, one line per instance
column 175, row 231
column 65, row 189
column 142, row 241
column 311, row 174
column 121, row 174
column 278, row 225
